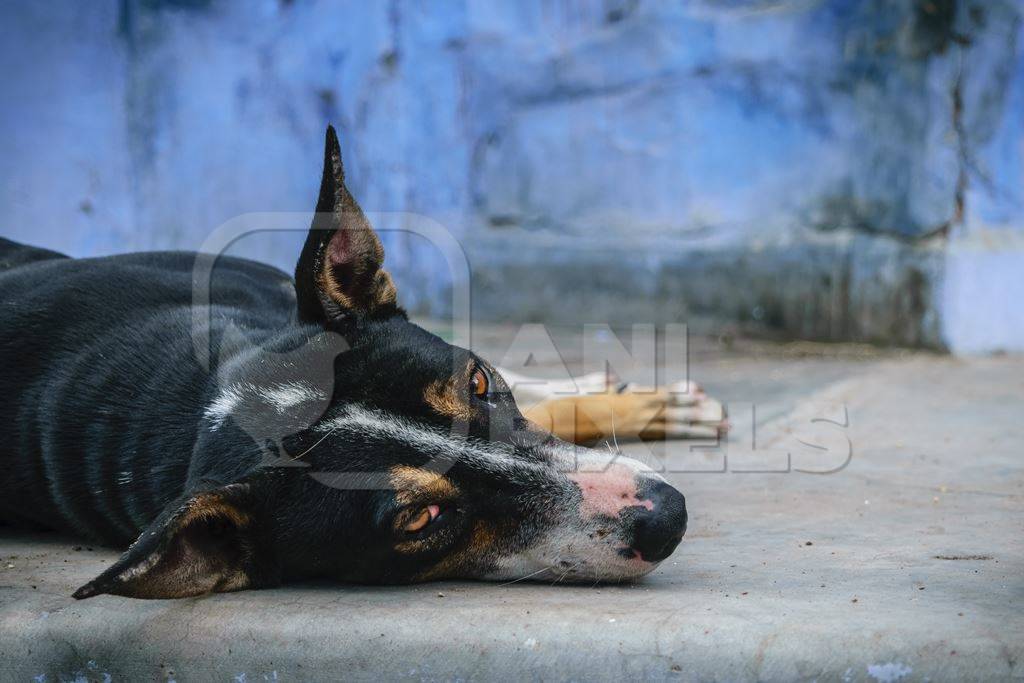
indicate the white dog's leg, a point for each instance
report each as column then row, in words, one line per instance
column 594, row 407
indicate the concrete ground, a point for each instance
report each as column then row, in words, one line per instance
column 907, row 563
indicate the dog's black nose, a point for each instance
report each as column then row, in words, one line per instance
column 656, row 532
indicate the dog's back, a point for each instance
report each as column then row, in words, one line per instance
column 99, row 376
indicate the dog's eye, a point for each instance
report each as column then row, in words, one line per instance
column 420, row 521
column 480, row 384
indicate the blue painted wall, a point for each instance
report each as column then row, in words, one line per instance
column 530, row 130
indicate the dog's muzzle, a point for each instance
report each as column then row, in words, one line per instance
column 644, row 514
column 653, row 531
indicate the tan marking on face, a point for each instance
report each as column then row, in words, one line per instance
column 412, row 484
column 442, row 397
column 483, row 540
column 410, row 547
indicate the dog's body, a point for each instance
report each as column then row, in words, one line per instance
column 101, row 386
column 278, row 431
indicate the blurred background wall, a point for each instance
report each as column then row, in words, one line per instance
column 823, row 169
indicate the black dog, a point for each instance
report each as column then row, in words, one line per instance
column 335, row 439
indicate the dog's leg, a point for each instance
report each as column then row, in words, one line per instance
column 680, row 412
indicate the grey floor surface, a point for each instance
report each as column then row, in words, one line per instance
column 906, row 563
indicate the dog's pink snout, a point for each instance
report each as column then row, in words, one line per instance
column 608, row 492
column 656, row 532
column 651, row 512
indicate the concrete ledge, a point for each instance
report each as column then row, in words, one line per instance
column 838, row 287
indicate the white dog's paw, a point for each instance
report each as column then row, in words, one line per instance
column 703, row 419
column 684, row 412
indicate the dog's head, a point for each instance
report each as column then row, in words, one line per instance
column 396, row 457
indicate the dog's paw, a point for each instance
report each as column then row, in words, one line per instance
column 684, row 412
column 705, row 418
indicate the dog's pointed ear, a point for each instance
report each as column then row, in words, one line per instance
column 339, row 272
column 203, row 543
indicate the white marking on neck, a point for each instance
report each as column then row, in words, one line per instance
column 290, row 394
column 280, row 397
column 224, row 404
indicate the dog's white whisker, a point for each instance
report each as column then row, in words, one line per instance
column 524, row 578
column 614, row 437
column 320, row 441
column 562, row 575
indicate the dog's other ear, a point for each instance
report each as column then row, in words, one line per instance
column 204, row 543
column 339, row 272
